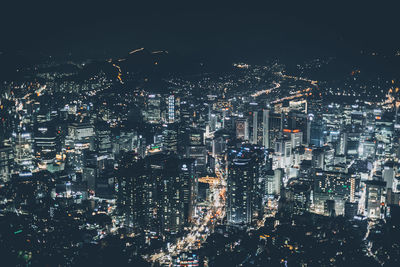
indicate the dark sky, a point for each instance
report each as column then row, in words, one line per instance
column 231, row 28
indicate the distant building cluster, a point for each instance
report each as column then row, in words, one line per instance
column 163, row 171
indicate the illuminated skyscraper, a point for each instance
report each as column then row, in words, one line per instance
column 373, row 198
column 310, row 118
column 274, row 181
column 6, row 163
column 255, row 128
column 171, row 109
column 242, row 192
column 242, row 129
column 153, row 111
column 46, row 144
column 170, row 135
column 136, row 194
column 266, row 141
column 23, row 151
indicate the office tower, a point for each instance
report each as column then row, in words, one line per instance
column 343, row 144
column 296, row 137
column 367, row 149
column 353, row 144
column 374, row 198
column 153, row 108
column 196, row 137
column 266, row 141
column 141, row 147
column 189, row 187
column 218, row 146
column 274, row 181
column 103, row 141
column 185, row 112
column 171, row 109
column 89, row 175
column 170, row 136
column 350, row 209
column 6, row 163
column 136, row 195
column 199, row 153
column 223, row 118
column 329, row 157
column 255, row 128
column 100, row 161
column 80, row 131
column 242, row 193
column 392, row 198
column 46, row 144
column 242, row 129
column 196, row 149
column 171, row 202
column 177, row 109
column 330, row 208
column 331, row 185
column 316, row 133
column 318, row 158
column 105, row 184
column 354, row 181
column 310, row 118
column 283, row 153
column 213, row 122
column 388, row 174
column 22, row 144
column 80, row 139
column 298, row 195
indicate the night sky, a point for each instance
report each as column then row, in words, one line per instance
column 232, row 29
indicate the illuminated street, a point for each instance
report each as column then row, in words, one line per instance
column 203, row 226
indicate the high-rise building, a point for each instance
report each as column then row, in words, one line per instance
column 22, row 144
column 298, row 195
column 80, row 131
column 196, row 138
column 350, row 209
column 374, row 198
column 153, row 108
column 266, row 141
column 171, row 202
column 316, row 133
column 255, row 128
column 187, row 170
column 296, row 137
column 136, row 195
column 171, row 109
column 242, row 129
column 331, row 185
column 388, row 174
column 274, row 181
column 47, row 144
column 170, row 136
column 103, row 141
column 329, row 208
column 158, row 192
column 242, row 193
column 213, row 122
column 6, row 163
column 218, row 146
column 310, row 118
column 199, row 153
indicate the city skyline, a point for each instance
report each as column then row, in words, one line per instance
column 196, row 134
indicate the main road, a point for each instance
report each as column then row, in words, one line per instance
column 202, row 227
